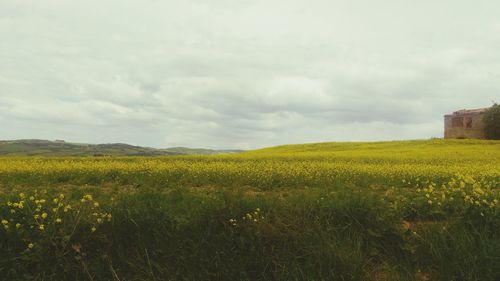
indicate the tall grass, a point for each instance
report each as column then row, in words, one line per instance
column 366, row 211
column 306, row 234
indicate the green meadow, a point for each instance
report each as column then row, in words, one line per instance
column 403, row 210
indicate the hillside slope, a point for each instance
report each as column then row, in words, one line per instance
column 422, row 151
column 60, row 148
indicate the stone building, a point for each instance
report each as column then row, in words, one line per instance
column 464, row 124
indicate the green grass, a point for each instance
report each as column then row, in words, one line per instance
column 173, row 218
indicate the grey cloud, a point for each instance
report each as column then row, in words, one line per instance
column 242, row 74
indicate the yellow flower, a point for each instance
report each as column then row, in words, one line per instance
column 93, row 229
column 18, row 225
column 58, row 220
column 44, row 215
column 31, row 245
column 41, row 227
column 67, row 208
column 4, row 222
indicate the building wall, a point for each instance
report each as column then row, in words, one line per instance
column 464, row 126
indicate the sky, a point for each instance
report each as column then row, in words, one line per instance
column 243, row 74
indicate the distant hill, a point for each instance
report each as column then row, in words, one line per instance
column 35, row 147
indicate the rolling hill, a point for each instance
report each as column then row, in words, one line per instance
column 35, row 147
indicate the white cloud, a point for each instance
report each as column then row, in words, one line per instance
column 242, row 74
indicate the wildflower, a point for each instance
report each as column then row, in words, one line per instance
column 4, row 222
column 96, row 204
column 30, row 246
column 58, row 220
column 93, row 229
column 67, row 208
column 44, row 215
column 18, row 225
column 41, row 227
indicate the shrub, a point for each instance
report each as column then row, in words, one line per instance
column 491, row 121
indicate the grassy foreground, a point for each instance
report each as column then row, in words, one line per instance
column 418, row 210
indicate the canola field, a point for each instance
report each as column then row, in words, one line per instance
column 402, row 210
column 385, row 163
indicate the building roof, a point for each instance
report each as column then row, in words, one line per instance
column 468, row 111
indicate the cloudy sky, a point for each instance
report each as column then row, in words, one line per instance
column 243, row 73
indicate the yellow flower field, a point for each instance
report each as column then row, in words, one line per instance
column 386, row 163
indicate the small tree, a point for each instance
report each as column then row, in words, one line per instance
column 491, row 121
